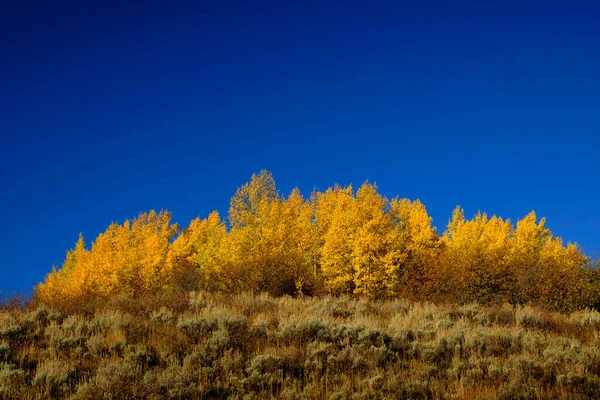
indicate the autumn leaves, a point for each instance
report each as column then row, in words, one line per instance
column 339, row 242
column 127, row 259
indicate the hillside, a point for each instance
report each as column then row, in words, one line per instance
column 361, row 298
column 254, row 347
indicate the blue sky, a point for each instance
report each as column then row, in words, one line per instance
column 109, row 110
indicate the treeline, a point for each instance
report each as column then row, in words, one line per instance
column 338, row 242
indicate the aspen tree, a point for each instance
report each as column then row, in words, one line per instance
column 192, row 257
column 419, row 248
column 376, row 255
column 475, row 255
column 337, row 225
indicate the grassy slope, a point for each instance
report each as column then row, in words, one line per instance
column 261, row 347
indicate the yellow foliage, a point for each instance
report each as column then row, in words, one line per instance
column 128, row 258
column 489, row 259
column 193, row 255
column 371, row 246
column 336, row 227
column 132, row 257
column 475, row 256
column 418, row 246
column 68, row 283
column 336, row 242
column 376, row 255
column 251, row 199
column 548, row 272
column 269, row 246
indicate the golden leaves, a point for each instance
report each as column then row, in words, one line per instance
column 338, row 241
column 128, row 258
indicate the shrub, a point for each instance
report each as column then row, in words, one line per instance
column 66, row 340
column 333, row 307
column 38, row 316
column 494, row 342
column 162, row 315
column 11, row 380
column 585, row 318
column 503, row 315
column 114, row 379
column 317, row 354
column 264, row 373
column 197, row 326
column 54, row 377
column 589, row 358
column 199, row 300
column 74, row 324
column 143, row 356
column 259, row 304
column 585, row 385
column 471, row 310
column 5, row 351
column 265, row 364
column 96, row 345
column 9, row 327
column 439, row 353
column 529, row 317
column 517, row 390
column 174, row 381
column 305, row 331
column 238, row 330
column 425, row 319
column 110, row 319
column 216, row 345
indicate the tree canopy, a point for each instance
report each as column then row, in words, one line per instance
column 339, row 241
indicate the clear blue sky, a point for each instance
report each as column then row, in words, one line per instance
column 109, row 110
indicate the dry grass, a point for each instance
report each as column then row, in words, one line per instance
column 257, row 347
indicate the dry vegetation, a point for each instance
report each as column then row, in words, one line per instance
column 253, row 347
column 363, row 299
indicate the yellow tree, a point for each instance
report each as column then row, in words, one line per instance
column 251, row 199
column 360, row 242
column 268, row 247
column 475, row 257
column 241, row 264
column 376, row 255
column 565, row 283
column 128, row 258
column 528, row 243
column 193, row 255
column 134, row 254
column 68, row 284
column 548, row 272
column 147, row 248
column 336, row 226
column 293, row 240
column 419, row 246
